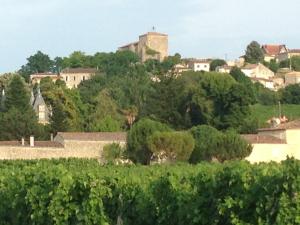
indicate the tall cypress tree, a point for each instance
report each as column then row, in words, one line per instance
column 17, row 96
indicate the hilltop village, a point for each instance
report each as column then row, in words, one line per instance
column 150, row 107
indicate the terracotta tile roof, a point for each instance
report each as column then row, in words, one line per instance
column 40, row 144
column 262, row 139
column 250, row 66
column 272, row 49
column 79, row 70
column 94, row 136
column 284, row 126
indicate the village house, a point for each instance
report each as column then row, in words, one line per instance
column 74, row 76
column 276, row 143
column 71, row 76
column 267, row 83
column 151, row 45
column 257, row 71
column 273, row 51
column 292, row 78
column 197, row 65
column 64, row 145
column 288, row 55
column 37, row 77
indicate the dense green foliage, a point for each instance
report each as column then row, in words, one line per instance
column 82, row 192
column 294, row 62
column 266, row 112
column 137, row 147
column 215, row 63
column 291, row 94
column 172, row 146
column 212, row 144
column 17, row 118
column 254, row 53
column 112, row 152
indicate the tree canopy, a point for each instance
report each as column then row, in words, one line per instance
column 254, row 53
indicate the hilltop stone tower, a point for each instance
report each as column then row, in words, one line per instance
column 151, row 45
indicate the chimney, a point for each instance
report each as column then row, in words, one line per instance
column 23, row 141
column 31, row 141
column 51, row 137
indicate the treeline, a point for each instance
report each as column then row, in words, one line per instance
column 125, row 91
column 82, row 192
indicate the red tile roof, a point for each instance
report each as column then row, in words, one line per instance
column 250, row 66
column 262, row 139
column 272, row 49
column 94, row 136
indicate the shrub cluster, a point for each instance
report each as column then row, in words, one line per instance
column 82, row 192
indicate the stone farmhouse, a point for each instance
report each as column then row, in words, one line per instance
column 64, row 145
column 273, row 51
column 292, row 78
column 151, row 45
column 276, row 143
column 289, row 54
column 71, row 76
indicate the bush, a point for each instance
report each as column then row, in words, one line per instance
column 112, row 152
column 211, row 143
column 207, row 141
column 172, row 146
column 137, row 137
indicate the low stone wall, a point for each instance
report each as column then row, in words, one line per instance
column 28, row 153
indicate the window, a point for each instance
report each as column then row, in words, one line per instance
column 42, row 115
column 83, row 78
column 67, row 78
column 74, row 78
column 41, row 108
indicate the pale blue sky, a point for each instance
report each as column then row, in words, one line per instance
column 196, row 28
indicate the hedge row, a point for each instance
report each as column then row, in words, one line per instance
column 82, row 192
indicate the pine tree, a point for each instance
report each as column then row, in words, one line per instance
column 17, row 96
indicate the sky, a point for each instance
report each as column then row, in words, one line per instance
column 196, row 28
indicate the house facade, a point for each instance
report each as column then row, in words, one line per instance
column 289, row 54
column 224, row 69
column 273, row 51
column 71, row 76
column 42, row 111
column 292, row 78
column 74, row 76
column 151, row 45
column 257, row 71
column 197, row 65
column 275, row 144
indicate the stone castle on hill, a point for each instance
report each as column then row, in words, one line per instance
column 151, row 45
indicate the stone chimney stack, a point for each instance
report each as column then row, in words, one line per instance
column 31, row 141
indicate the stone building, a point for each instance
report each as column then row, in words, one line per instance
column 276, row 143
column 64, row 145
column 257, row 71
column 292, row 78
column 71, row 76
column 42, row 111
column 199, row 65
column 273, row 51
column 151, row 45
column 289, row 54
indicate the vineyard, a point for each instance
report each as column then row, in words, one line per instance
column 83, row 192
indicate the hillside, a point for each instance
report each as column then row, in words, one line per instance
column 264, row 113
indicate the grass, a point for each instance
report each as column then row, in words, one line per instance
column 266, row 112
